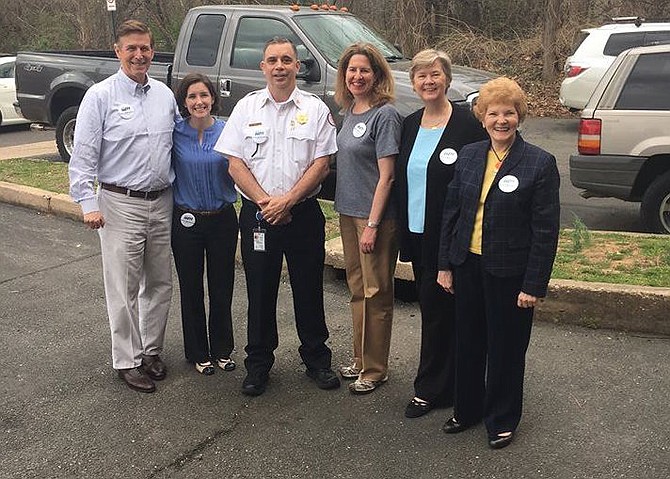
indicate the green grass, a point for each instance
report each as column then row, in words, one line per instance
column 614, row 258
column 51, row 176
column 582, row 255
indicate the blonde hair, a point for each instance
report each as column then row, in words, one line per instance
column 426, row 58
column 501, row 90
column 383, row 86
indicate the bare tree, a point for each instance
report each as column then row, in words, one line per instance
column 551, row 25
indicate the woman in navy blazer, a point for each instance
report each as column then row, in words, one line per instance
column 430, row 141
column 497, row 248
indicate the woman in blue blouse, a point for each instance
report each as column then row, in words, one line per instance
column 204, row 226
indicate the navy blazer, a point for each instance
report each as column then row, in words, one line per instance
column 520, row 228
column 461, row 129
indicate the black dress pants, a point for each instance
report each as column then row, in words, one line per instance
column 214, row 238
column 302, row 243
column 492, row 336
column 435, row 379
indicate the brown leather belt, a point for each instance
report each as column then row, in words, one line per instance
column 147, row 195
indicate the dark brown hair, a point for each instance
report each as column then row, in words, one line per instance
column 182, row 90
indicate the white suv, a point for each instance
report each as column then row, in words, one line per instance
column 598, row 49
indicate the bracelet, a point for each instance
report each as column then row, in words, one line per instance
column 372, row 224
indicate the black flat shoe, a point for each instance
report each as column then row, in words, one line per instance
column 499, row 441
column 417, row 408
column 452, row 426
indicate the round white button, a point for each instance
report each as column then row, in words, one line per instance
column 187, row 220
column 508, row 183
column 359, row 129
column 448, row 156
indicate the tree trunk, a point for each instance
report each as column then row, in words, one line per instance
column 551, row 26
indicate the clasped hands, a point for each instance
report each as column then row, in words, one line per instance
column 276, row 210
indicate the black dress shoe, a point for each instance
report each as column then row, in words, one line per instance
column 498, row 442
column 252, row 386
column 137, row 379
column 324, row 378
column 154, row 367
column 417, row 408
column 452, row 426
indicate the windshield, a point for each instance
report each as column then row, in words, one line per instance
column 331, row 34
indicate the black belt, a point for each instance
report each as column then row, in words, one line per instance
column 204, row 213
column 147, row 195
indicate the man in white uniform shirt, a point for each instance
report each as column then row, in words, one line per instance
column 123, row 139
column 278, row 141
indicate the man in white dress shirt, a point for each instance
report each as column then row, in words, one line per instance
column 278, row 141
column 123, row 139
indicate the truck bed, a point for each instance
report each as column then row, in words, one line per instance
column 55, row 72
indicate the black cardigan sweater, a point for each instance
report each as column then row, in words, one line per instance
column 462, row 129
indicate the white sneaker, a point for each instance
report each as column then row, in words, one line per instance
column 365, row 386
column 349, row 372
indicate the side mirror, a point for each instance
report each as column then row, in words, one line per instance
column 309, row 71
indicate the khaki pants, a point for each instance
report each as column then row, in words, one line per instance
column 370, row 280
column 137, row 269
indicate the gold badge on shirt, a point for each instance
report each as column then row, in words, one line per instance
column 301, row 118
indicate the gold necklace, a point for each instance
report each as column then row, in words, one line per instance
column 442, row 120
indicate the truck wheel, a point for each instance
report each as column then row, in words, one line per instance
column 65, row 132
column 655, row 207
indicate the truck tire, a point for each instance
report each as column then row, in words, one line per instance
column 655, row 207
column 65, row 132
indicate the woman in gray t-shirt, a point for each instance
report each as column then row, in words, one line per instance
column 367, row 147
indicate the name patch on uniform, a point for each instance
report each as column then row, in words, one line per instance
column 257, row 132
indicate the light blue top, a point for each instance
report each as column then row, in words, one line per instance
column 417, row 168
column 202, row 182
column 123, row 137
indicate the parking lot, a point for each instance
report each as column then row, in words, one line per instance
column 595, row 403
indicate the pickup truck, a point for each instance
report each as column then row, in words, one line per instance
column 226, row 43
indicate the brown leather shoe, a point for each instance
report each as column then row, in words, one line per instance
column 137, row 379
column 154, row 367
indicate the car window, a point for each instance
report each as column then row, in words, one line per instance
column 203, row 47
column 7, row 70
column 619, row 42
column 646, row 87
column 656, row 38
column 331, row 34
column 252, row 33
column 578, row 40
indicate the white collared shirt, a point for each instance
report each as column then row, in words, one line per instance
column 279, row 141
column 123, row 136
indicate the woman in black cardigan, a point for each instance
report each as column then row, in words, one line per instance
column 429, row 146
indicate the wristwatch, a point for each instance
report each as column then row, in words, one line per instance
column 372, row 224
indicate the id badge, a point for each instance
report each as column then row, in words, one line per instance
column 259, row 240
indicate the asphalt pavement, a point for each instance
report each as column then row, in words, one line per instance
column 595, row 403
